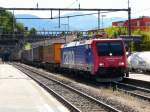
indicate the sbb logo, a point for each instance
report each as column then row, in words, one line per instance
column 68, row 57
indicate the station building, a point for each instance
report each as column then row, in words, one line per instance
column 142, row 23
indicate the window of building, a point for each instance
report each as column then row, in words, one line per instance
column 147, row 23
column 121, row 24
column 138, row 23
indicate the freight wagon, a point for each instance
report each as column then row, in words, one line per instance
column 16, row 55
column 27, row 56
column 37, row 54
column 51, row 56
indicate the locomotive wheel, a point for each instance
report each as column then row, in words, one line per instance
column 127, row 73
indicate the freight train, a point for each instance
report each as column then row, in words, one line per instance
column 101, row 59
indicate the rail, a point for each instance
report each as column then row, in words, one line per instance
column 107, row 107
column 133, row 90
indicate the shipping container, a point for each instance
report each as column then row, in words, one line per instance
column 41, row 53
column 27, row 55
column 16, row 55
column 37, row 54
column 51, row 53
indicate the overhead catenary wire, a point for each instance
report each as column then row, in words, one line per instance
column 75, row 1
column 143, row 10
column 64, row 16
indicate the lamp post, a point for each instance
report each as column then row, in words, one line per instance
column 65, row 26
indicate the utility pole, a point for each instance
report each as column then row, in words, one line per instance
column 13, row 25
column 1, row 27
column 59, row 19
column 128, row 3
column 98, row 19
column 102, row 21
column 68, row 24
column 129, row 25
column 65, row 30
column 79, row 5
column 129, row 19
column 37, row 5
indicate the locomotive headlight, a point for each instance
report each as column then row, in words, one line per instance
column 121, row 63
column 101, row 64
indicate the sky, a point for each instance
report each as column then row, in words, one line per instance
column 138, row 7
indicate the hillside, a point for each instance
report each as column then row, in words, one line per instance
column 75, row 23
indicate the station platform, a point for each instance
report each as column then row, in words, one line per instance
column 140, row 76
column 19, row 93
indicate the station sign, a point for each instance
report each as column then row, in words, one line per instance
column 135, row 38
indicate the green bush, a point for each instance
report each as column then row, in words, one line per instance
column 144, row 45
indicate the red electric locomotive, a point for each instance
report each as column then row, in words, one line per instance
column 105, row 59
column 110, row 59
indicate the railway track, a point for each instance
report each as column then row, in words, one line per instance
column 140, row 83
column 74, row 99
column 133, row 89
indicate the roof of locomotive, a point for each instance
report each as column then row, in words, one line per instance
column 85, row 42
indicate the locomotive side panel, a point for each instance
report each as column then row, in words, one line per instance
column 67, row 57
column 77, row 57
column 84, row 58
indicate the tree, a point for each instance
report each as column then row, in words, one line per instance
column 20, row 27
column 8, row 23
column 144, row 44
column 114, row 32
column 32, row 31
column 63, row 33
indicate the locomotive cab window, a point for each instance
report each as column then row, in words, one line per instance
column 109, row 48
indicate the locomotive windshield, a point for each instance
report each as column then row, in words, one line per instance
column 114, row 48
